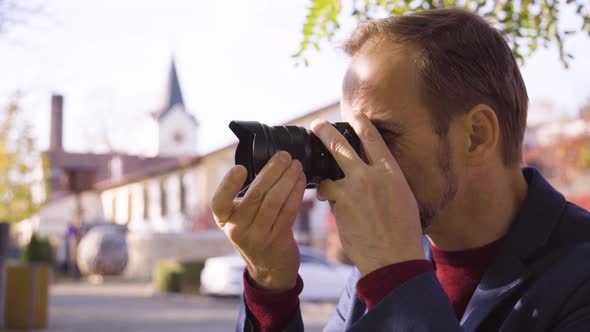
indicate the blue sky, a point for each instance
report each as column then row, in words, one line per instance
column 110, row 60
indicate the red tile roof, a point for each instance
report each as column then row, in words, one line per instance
column 60, row 161
column 135, row 168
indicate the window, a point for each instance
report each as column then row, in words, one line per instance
column 182, row 193
column 163, row 199
column 178, row 137
column 146, row 201
column 190, row 188
column 114, row 207
column 129, row 205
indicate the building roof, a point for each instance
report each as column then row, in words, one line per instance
column 60, row 161
column 174, row 92
column 131, row 167
column 178, row 163
column 147, row 172
column 312, row 113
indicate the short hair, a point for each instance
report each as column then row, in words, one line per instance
column 462, row 61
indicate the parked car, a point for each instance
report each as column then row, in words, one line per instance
column 324, row 279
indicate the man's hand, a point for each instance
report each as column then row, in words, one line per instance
column 259, row 225
column 375, row 209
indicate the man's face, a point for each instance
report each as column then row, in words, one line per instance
column 381, row 82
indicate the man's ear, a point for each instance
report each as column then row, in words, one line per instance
column 482, row 134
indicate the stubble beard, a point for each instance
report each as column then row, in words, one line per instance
column 429, row 210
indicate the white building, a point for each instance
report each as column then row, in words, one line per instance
column 166, row 208
column 172, row 131
column 163, row 199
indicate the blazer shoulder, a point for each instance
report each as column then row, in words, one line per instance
column 573, row 227
column 571, row 264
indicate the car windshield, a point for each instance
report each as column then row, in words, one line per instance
column 312, row 259
column 308, row 256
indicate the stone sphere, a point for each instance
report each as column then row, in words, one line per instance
column 103, row 251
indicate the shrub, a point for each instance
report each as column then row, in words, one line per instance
column 167, row 276
column 191, row 277
column 38, row 250
column 178, row 276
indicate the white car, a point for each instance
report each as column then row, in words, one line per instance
column 323, row 279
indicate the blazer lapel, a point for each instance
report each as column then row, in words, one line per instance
column 498, row 283
column 355, row 313
column 532, row 227
column 357, row 307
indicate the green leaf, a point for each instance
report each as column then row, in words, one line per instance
column 528, row 22
column 533, row 46
column 18, row 162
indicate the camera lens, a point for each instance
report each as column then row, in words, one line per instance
column 259, row 142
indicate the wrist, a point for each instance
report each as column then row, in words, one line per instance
column 266, row 280
column 375, row 263
column 373, row 287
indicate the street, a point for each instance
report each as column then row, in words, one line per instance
column 124, row 306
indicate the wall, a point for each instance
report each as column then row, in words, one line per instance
column 54, row 217
column 177, row 121
column 154, row 238
column 145, row 250
column 174, row 221
column 201, row 180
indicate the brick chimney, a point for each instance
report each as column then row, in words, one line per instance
column 56, row 134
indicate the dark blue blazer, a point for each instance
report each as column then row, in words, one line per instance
column 539, row 280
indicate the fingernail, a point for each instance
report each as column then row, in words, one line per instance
column 317, row 123
column 240, row 172
column 296, row 164
column 284, row 156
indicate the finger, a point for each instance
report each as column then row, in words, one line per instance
column 337, row 145
column 289, row 210
column 276, row 197
column 375, row 149
column 329, row 190
column 222, row 202
column 270, row 174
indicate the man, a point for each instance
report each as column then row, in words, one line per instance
column 440, row 106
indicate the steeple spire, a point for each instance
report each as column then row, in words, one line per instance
column 174, row 94
column 175, row 129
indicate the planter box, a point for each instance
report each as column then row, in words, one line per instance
column 27, row 295
column 4, row 236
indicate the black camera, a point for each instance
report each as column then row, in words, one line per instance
column 259, row 142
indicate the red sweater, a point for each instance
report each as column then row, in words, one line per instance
column 459, row 273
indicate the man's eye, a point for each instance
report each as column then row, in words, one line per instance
column 387, row 135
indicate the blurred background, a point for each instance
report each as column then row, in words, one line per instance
column 114, row 134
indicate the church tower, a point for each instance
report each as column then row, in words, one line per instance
column 176, row 128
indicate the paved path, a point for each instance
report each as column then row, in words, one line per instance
column 132, row 307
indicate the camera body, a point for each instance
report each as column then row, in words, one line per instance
column 259, row 142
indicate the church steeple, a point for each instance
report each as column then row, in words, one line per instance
column 175, row 127
column 174, row 94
